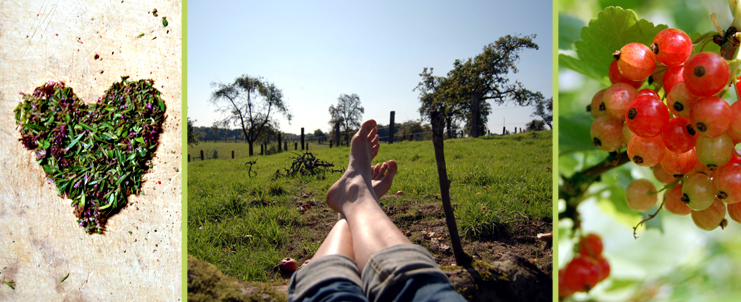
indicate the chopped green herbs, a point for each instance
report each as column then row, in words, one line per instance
column 65, row 278
column 95, row 154
column 164, row 21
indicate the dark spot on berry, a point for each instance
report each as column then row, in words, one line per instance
column 722, row 195
column 602, row 106
column 678, row 107
column 701, row 127
column 632, row 113
column 685, row 198
column 678, row 175
column 96, row 56
column 712, row 167
column 637, row 159
column 655, row 48
column 616, row 55
column 597, row 142
column 690, row 130
column 589, row 108
column 723, row 224
column 699, row 71
column 650, row 80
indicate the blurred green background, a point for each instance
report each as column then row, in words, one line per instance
column 672, row 260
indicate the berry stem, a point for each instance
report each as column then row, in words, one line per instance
column 650, row 216
column 670, row 185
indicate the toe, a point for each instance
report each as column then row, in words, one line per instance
column 383, row 169
column 366, row 128
column 392, row 168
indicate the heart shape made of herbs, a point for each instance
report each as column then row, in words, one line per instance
column 95, row 154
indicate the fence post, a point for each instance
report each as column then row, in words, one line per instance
column 337, row 134
column 295, row 146
column 504, row 130
column 391, row 128
column 232, row 154
column 188, row 157
column 279, row 142
column 302, row 138
column 202, row 158
column 330, row 144
column 261, row 149
column 285, row 146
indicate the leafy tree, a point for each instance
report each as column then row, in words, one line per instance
column 250, row 104
column 535, row 125
column 472, row 83
column 319, row 135
column 544, row 110
column 435, row 93
column 192, row 139
column 347, row 113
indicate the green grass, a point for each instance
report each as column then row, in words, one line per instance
column 245, row 225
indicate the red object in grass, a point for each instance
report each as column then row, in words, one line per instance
column 287, row 265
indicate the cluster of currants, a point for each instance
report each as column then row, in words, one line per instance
column 688, row 138
column 586, row 269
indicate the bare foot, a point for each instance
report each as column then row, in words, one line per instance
column 383, row 177
column 358, row 177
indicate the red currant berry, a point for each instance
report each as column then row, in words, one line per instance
column 672, row 47
column 734, row 210
column 581, row 274
column 661, row 175
column 627, row 134
column 711, row 116
column 563, row 290
column 727, row 183
column 641, row 195
column 697, row 191
column 714, row 152
column 596, row 107
column 673, row 202
column 735, row 128
column 616, row 99
column 590, row 245
column 672, row 76
column 647, row 116
column 648, row 92
column 635, row 61
column 712, row 217
column 680, row 100
column 679, row 164
column 736, row 158
column 616, row 77
column 679, row 135
column 706, row 73
column 646, row 152
column 607, row 133
column 604, row 268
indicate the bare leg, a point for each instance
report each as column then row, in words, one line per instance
column 338, row 241
column 353, row 195
column 382, row 176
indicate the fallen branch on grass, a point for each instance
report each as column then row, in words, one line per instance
column 249, row 173
column 307, row 164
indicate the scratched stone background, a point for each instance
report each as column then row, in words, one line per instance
column 139, row 257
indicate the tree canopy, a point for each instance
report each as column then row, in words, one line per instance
column 250, row 104
column 348, row 113
column 465, row 93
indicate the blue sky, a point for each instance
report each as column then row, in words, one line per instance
column 317, row 51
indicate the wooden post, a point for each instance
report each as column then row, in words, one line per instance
column 302, row 138
column 202, row 158
column 279, row 142
column 232, row 154
column 285, row 146
column 330, row 144
column 337, row 134
column 261, row 149
column 295, row 146
column 188, row 157
column 438, row 124
column 504, row 130
column 391, row 128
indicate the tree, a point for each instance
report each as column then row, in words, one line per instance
column 435, row 93
column 319, row 135
column 249, row 103
column 192, row 139
column 535, row 125
column 486, row 77
column 347, row 114
column 544, row 110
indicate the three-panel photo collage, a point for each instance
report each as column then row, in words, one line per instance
column 543, row 150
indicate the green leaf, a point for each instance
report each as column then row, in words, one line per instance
column 161, row 104
column 574, row 133
column 568, row 30
column 82, row 203
column 120, row 180
column 65, row 278
column 611, row 30
column 35, row 127
column 72, row 144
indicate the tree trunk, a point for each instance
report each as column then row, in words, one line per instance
column 449, row 126
column 250, row 143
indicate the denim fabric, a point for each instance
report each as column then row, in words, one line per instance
column 328, row 278
column 402, row 272
column 406, row 272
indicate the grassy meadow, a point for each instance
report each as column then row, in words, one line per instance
column 246, row 225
